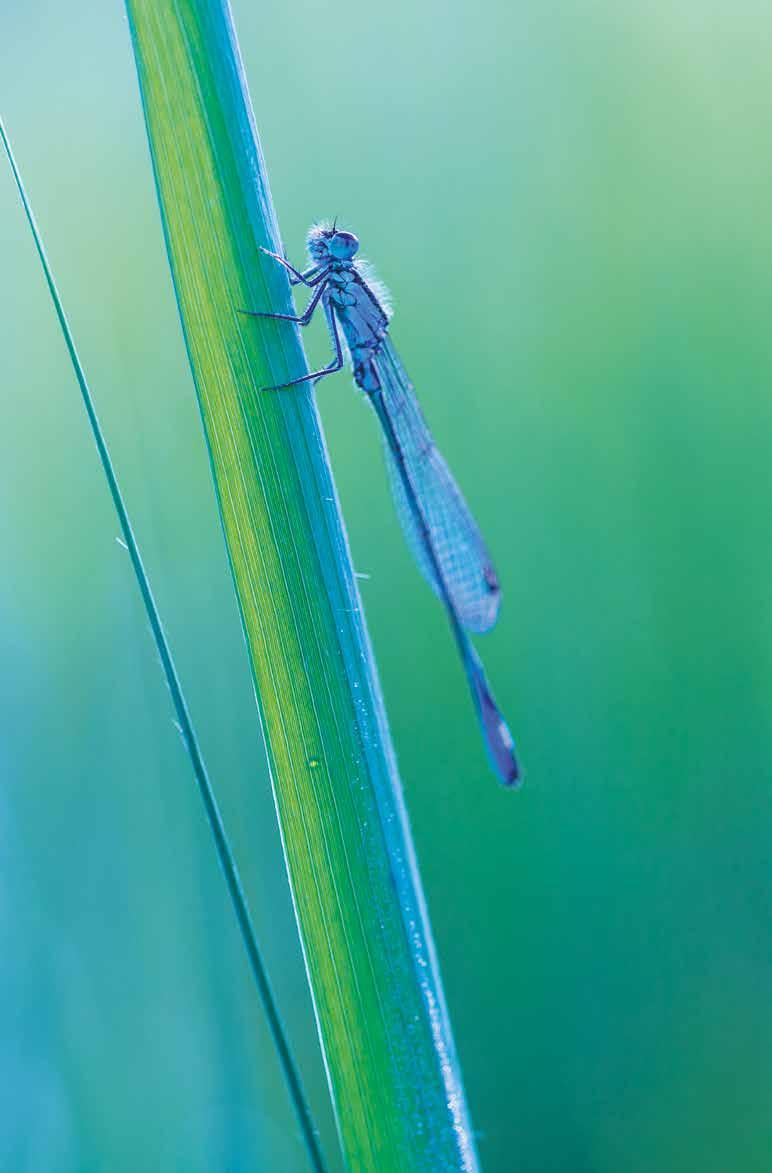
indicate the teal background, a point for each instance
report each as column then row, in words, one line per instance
column 570, row 204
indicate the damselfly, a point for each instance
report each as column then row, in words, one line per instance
column 435, row 518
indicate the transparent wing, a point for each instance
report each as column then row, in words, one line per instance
column 464, row 562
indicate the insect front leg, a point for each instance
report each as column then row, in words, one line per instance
column 296, row 277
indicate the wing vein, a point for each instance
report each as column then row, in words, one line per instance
column 463, row 559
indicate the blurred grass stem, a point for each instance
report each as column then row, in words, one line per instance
column 222, row 845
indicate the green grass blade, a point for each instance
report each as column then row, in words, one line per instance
column 225, row 855
column 373, row 974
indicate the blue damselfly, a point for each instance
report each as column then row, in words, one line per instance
column 435, row 518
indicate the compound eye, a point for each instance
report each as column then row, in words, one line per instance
column 347, row 243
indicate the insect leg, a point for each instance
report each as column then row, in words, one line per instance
column 335, row 365
column 296, row 277
column 302, row 320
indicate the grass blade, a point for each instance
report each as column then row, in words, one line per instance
column 225, row 855
column 383, row 1025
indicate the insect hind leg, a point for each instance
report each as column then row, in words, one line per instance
column 334, row 366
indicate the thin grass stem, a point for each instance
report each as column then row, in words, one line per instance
column 222, row 844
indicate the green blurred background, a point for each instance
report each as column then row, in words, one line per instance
column 570, row 203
